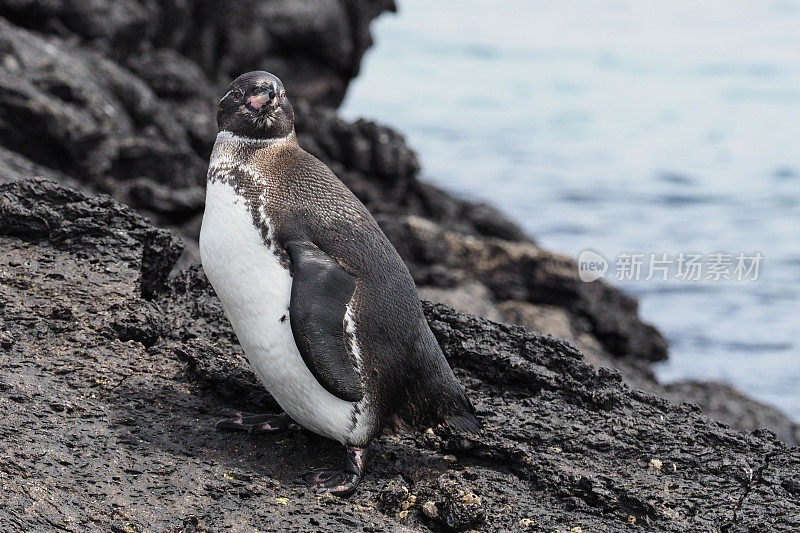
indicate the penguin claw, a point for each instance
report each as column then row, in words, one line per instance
column 266, row 423
column 337, row 482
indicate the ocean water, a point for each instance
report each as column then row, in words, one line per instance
column 625, row 126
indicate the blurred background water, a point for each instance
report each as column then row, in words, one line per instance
column 622, row 126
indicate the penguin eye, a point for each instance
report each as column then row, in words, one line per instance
column 238, row 94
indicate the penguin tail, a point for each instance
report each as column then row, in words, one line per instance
column 449, row 406
column 464, row 422
column 433, row 395
column 461, row 416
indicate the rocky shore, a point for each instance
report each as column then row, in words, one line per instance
column 113, row 371
column 114, row 374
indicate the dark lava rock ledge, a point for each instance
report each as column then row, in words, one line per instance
column 118, row 98
column 112, row 376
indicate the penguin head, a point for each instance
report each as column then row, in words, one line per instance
column 256, row 107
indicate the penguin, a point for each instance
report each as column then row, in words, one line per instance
column 323, row 306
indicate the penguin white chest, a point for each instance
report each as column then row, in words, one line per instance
column 255, row 291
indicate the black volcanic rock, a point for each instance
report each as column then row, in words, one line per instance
column 314, row 46
column 68, row 108
column 108, row 400
column 118, row 98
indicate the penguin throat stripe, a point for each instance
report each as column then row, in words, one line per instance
column 227, row 136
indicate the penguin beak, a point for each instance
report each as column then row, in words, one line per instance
column 257, row 101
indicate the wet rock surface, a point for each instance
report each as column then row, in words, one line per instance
column 109, row 395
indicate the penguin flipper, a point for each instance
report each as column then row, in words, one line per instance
column 321, row 290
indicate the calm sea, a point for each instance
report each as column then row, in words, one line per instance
column 623, row 126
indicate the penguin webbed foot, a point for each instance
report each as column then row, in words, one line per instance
column 264, row 423
column 337, row 482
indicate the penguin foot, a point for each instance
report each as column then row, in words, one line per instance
column 267, row 423
column 338, row 482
